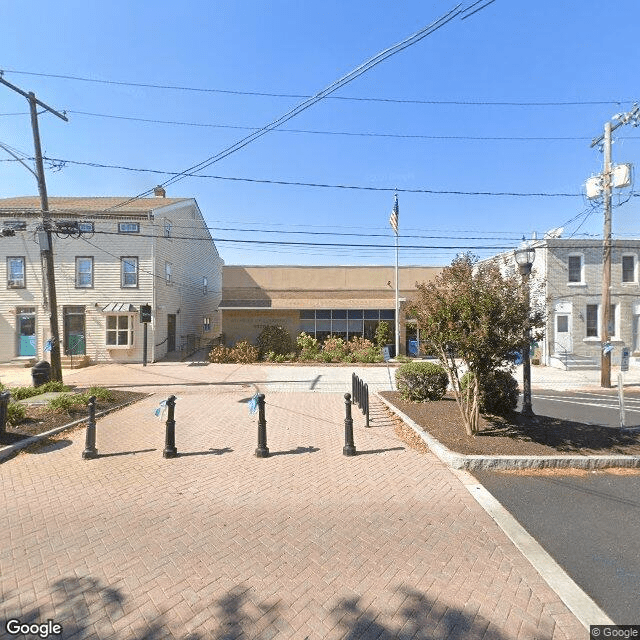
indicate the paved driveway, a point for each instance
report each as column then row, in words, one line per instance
column 216, row 543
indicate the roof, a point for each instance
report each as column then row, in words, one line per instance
column 107, row 205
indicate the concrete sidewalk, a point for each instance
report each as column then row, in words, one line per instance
column 216, row 543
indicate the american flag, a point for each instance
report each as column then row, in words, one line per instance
column 393, row 220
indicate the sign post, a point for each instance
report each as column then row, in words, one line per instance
column 624, row 366
column 145, row 319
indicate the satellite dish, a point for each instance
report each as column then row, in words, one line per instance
column 554, row 233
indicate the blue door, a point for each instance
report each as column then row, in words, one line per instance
column 27, row 334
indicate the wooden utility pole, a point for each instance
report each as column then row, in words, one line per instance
column 607, row 186
column 46, row 251
column 605, row 354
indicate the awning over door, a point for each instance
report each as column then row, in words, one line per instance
column 119, row 307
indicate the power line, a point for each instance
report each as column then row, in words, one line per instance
column 303, row 106
column 363, row 134
column 538, row 103
column 100, row 165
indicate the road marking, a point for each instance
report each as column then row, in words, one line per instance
column 612, row 405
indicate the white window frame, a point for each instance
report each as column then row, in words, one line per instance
column 614, row 318
column 634, row 278
column 123, row 335
column 167, row 228
column 128, row 227
column 16, row 283
column 79, row 273
column 206, row 324
column 129, row 260
column 167, row 272
column 205, row 285
column 575, row 283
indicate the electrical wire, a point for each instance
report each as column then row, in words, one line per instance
column 554, row 103
column 99, row 165
column 332, row 88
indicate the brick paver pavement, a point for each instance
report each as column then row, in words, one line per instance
column 217, row 543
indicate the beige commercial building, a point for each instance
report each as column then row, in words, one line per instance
column 344, row 301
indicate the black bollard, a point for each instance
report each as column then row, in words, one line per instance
column 90, row 450
column 170, row 450
column 4, row 410
column 349, row 448
column 262, row 451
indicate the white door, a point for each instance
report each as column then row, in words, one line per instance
column 563, row 342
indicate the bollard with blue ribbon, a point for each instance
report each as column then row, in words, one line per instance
column 262, row 451
column 90, row 450
column 170, row 450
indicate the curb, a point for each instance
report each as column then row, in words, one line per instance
column 10, row 450
column 494, row 463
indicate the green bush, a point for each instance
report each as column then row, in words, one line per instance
column 100, row 393
column 53, row 385
column 383, row 334
column 244, row 353
column 67, row 401
column 498, row 392
column 16, row 413
column 421, row 381
column 274, row 339
column 308, row 346
column 21, row 393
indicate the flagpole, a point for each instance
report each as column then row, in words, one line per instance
column 397, row 304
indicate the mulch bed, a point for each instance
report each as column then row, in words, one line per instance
column 40, row 419
column 516, row 435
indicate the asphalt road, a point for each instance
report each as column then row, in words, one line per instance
column 589, row 523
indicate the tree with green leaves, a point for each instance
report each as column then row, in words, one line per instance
column 475, row 318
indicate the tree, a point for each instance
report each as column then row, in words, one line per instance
column 474, row 316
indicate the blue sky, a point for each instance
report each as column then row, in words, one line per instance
column 515, row 52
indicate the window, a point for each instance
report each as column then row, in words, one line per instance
column 15, row 273
column 86, row 227
column 167, row 272
column 205, row 285
column 119, row 331
column 592, row 321
column 128, row 227
column 628, row 269
column 16, row 225
column 167, row 228
column 129, row 272
column 206, row 324
column 84, row 273
column 575, row 268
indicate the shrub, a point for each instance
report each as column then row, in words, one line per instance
column 21, row 393
column 53, row 385
column 244, row 353
column 100, row 393
column 421, row 381
column 309, row 347
column 67, row 401
column 383, row 334
column 364, row 350
column 16, row 413
column 220, row 354
column 274, row 339
column 334, row 349
column 498, row 392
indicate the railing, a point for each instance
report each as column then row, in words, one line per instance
column 360, row 395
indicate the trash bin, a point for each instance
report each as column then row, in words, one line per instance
column 41, row 373
column 4, row 410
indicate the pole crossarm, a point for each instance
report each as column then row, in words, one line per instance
column 30, row 96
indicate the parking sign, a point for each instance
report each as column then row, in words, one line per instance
column 624, row 362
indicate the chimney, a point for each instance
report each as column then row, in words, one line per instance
column 159, row 192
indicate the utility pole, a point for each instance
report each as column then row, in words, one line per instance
column 46, row 251
column 607, row 185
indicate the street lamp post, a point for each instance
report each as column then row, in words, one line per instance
column 524, row 259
